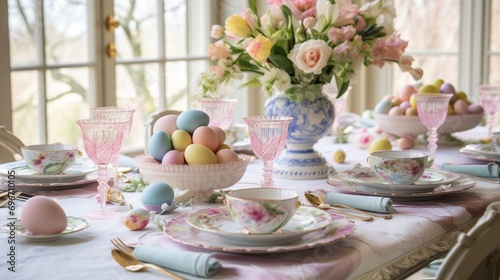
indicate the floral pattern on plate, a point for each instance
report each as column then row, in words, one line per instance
column 429, row 180
column 75, row 224
column 179, row 230
column 461, row 184
column 218, row 221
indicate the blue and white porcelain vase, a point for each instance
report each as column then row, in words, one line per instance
column 311, row 121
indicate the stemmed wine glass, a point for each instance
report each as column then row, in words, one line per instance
column 267, row 137
column 219, row 110
column 118, row 114
column 432, row 110
column 489, row 96
column 102, row 140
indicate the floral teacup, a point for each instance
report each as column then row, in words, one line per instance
column 495, row 141
column 260, row 210
column 398, row 167
column 50, row 159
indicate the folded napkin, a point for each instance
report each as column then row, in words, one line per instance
column 199, row 264
column 368, row 203
column 485, row 170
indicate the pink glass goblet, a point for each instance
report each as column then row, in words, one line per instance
column 267, row 137
column 102, row 140
column 489, row 96
column 220, row 111
column 432, row 110
column 119, row 114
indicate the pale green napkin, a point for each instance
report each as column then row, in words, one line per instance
column 489, row 170
column 369, row 203
column 199, row 264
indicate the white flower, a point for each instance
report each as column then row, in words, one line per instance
column 310, row 56
column 217, row 31
column 327, row 11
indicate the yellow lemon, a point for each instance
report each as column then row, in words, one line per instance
column 429, row 88
column 339, row 156
column 380, row 144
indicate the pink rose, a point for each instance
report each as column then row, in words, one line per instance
column 310, row 56
column 301, row 9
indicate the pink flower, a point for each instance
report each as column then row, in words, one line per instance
column 301, row 9
column 338, row 35
column 345, row 52
column 218, row 50
column 361, row 24
column 217, row 70
column 310, row 56
column 217, row 31
column 259, row 48
column 388, row 49
column 347, row 15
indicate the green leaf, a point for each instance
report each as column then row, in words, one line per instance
column 282, row 62
column 252, row 83
column 252, row 4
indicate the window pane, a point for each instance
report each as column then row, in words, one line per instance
column 177, row 95
column 66, row 32
column 494, row 69
column 21, row 32
column 175, row 31
column 495, row 26
column 137, row 36
column 25, row 106
column 67, row 101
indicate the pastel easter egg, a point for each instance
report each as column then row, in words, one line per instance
column 226, row 155
column 221, row 134
column 181, row 139
column 156, row 194
column 136, row 219
column 159, row 144
column 383, row 106
column 406, row 92
column 367, row 115
column 475, row 109
column 447, row 88
column 405, row 143
column 395, row 101
column 380, row 144
column 396, row 111
column 41, row 215
column 206, row 136
column 173, row 157
column 461, row 107
column 167, row 123
column 199, row 154
column 405, row 105
column 190, row 120
column 411, row 112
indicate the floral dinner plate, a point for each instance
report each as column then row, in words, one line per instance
column 427, row 182
column 218, row 221
column 75, row 224
column 463, row 183
column 77, row 171
column 179, row 230
column 483, row 149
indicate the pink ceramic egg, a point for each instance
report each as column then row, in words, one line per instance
column 207, row 137
column 42, row 215
column 226, row 155
column 137, row 219
column 461, row 107
column 396, row 111
column 167, row 123
column 475, row 109
column 406, row 92
column 173, row 157
column 405, row 143
column 220, row 133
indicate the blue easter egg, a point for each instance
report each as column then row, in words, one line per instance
column 190, row 120
column 159, row 144
column 155, row 194
column 383, row 106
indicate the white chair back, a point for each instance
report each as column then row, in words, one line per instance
column 10, row 146
column 150, row 124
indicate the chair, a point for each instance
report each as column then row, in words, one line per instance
column 10, row 146
column 151, row 121
column 477, row 252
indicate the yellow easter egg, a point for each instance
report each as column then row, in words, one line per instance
column 181, row 139
column 451, row 111
column 429, row 88
column 339, row 156
column 413, row 101
column 199, row 154
column 461, row 96
column 380, row 144
column 438, row 83
column 411, row 112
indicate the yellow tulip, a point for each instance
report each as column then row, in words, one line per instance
column 237, row 27
column 260, row 48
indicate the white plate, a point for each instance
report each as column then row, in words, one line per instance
column 179, row 230
column 27, row 187
column 461, row 184
column 427, row 182
column 77, row 171
column 218, row 221
column 474, row 155
column 483, row 149
column 75, row 224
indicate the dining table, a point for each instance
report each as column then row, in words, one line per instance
column 422, row 229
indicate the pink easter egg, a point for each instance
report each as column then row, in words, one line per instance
column 406, row 92
column 167, row 123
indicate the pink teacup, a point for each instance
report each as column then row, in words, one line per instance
column 398, row 167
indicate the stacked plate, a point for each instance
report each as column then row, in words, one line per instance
column 484, row 152
column 214, row 229
column 432, row 184
column 82, row 172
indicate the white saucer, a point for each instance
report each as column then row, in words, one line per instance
column 78, row 171
column 75, row 224
column 483, row 149
column 219, row 222
column 429, row 180
column 461, row 184
column 474, row 155
column 179, row 230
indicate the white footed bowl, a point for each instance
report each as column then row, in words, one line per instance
column 411, row 125
column 201, row 179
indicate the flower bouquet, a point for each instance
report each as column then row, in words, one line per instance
column 297, row 44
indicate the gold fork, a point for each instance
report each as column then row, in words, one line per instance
column 121, row 246
column 8, row 198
